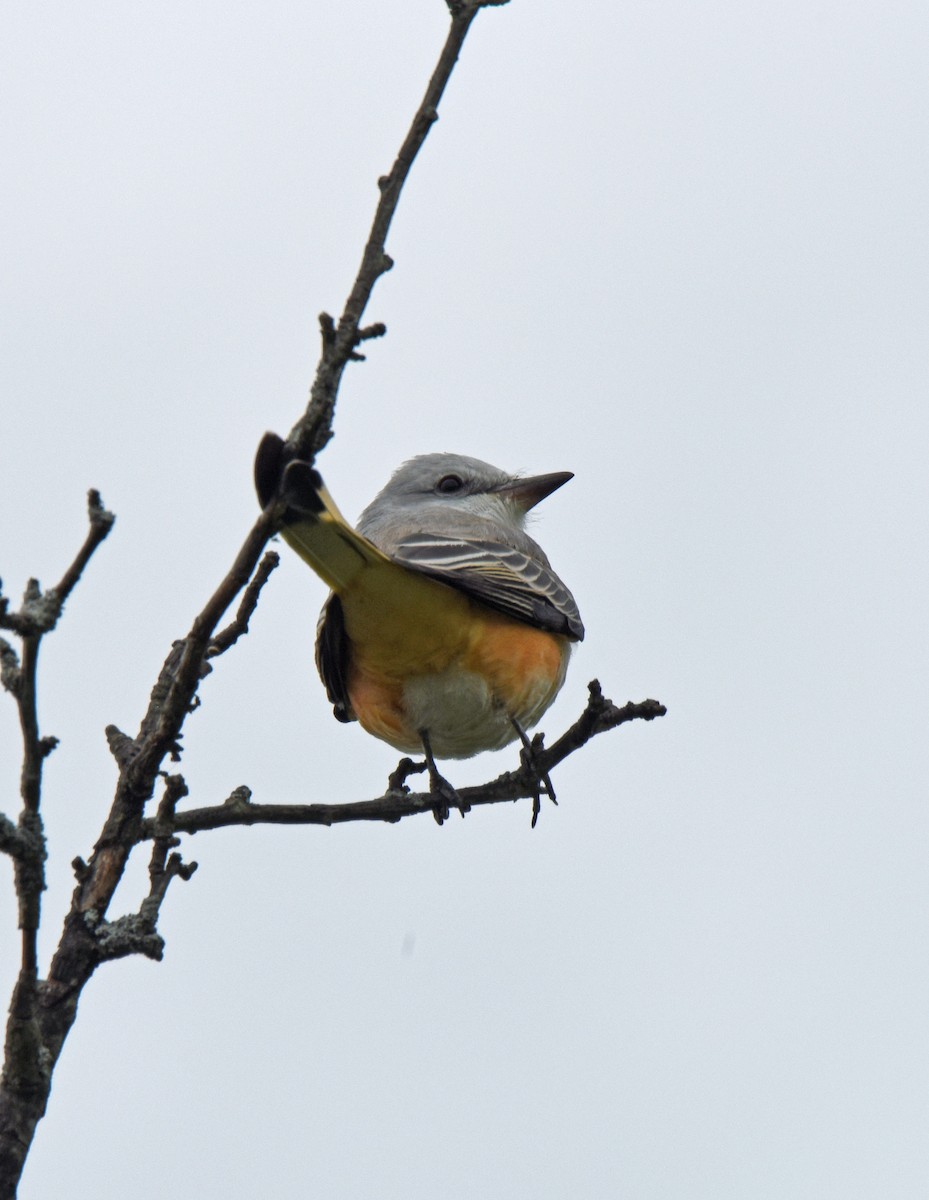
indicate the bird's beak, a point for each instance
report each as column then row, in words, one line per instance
column 526, row 493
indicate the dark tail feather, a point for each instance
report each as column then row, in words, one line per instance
column 278, row 476
column 269, row 467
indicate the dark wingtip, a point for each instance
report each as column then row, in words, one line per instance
column 269, row 466
column 280, row 477
column 300, row 484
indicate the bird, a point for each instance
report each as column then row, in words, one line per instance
column 446, row 631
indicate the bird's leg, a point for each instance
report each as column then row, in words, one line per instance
column 439, row 787
column 541, row 779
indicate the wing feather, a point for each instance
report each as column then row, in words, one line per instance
column 332, row 657
column 502, row 577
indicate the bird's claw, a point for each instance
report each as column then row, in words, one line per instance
column 529, row 761
column 439, row 788
column 445, row 796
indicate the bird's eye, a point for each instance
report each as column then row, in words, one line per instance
column 449, row 484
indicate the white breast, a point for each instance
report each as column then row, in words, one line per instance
column 461, row 715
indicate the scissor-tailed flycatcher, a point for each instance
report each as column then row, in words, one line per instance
column 447, row 630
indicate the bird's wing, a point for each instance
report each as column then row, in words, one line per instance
column 509, row 580
column 332, row 657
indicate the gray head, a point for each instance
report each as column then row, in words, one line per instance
column 457, row 484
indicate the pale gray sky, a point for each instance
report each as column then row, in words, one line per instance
column 678, row 249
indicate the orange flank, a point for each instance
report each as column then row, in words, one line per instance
column 525, row 666
column 425, row 655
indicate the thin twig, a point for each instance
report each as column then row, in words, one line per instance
column 37, row 616
column 341, row 340
column 137, row 933
column 40, row 610
column 239, row 625
column 101, row 522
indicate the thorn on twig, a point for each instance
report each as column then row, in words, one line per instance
column 384, row 182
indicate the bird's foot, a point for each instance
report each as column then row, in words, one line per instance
column 442, row 792
column 444, row 795
column 530, row 760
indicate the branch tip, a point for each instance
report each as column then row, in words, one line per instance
column 80, row 868
column 121, row 745
column 238, row 626
column 314, row 428
column 47, row 745
column 377, row 330
column 327, row 329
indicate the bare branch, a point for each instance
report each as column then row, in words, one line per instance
column 341, row 341
column 40, row 610
column 101, row 522
column 175, row 691
column 43, row 1011
column 599, row 716
column 121, row 744
column 37, row 616
column 131, row 934
column 137, row 933
column 236, row 628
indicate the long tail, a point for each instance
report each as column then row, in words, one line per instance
column 312, row 524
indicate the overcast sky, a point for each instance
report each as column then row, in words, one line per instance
column 679, row 249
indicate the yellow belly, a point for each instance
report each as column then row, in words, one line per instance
column 424, row 656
